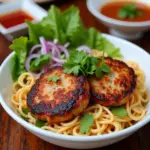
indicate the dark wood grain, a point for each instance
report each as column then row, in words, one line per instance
column 15, row 137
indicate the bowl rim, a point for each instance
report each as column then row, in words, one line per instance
column 109, row 20
column 62, row 137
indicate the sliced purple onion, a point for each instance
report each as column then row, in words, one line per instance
column 53, row 46
column 35, row 47
column 58, row 60
column 85, row 48
column 47, row 47
column 63, row 49
column 27, row 64
column 55, row 65
column 44, row 49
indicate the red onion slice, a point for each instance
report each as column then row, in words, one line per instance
column 44, row 49
column 58, row 60
column 85, row 48
column 63, row 49
column 55, row 65
column 35, row 47
column 53, row 46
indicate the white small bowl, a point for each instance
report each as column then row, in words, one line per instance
column 123, row 29
column 129, row 51
column 28, row 6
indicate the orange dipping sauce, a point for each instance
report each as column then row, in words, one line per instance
column 112, row 9
column 14, row 18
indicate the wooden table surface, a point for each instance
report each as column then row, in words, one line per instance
column 15, row 137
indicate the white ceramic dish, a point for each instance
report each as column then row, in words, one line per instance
column 123, row 29
column 28, row 6
column 130, row 52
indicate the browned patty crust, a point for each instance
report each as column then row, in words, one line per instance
column 113, row 89
column 61, row 100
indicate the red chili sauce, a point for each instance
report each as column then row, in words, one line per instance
column 14, row 18
column 111, row 10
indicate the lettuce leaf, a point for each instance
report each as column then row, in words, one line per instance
column 73, row 27
column 20, row 46
column 54, row 22
column 108, row 47
column 95, row 40
column 14, row 67
column 67, row 27
column 34, row 32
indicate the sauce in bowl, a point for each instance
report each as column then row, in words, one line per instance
column 14, row 18
column 112, row 10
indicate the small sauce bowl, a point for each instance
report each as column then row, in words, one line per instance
column 28, row 7
column 123, row 29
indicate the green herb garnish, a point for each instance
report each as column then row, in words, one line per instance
column 86, row 122
column 40, row 62
column 119, row 111
column 40, row 123
column 129, row 11
column 24, row 118
column 102, row 69
column 25, row 110
column 54, row 78
column 81, row 62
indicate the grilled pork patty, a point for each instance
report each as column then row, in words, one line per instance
column 61, row 100
column 113, row 89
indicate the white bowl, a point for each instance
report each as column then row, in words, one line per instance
column 28, row 6
column 123, row 29
column 130, row 52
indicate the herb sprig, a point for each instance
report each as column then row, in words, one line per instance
column 81, row 62
column 119, row 111
column 86, row 122
column 53, row 78
column 129, row 11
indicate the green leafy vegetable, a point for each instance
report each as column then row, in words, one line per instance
column 65, row 27
column 14, row 67
column 34, row 31
column 104, row 68
column 73, row 27
column 40, row 123
column 106, row 46
column 86, row 122
column 24, row 118
column 54, row 78
column 129, row 11
column 54, row 22
column 25, row 110
column 81, row 62
column 20, row 46
column 40, row 62
column 119, row 111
